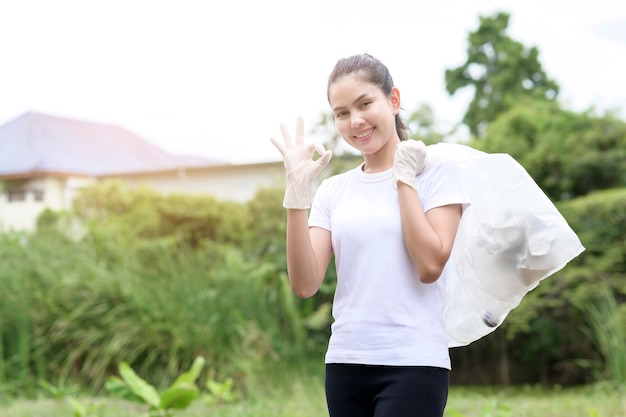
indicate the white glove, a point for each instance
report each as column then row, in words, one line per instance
column 300, row 167
column 408, row 162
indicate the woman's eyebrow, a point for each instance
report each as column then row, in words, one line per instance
column 359, row 98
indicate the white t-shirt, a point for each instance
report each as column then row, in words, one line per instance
column 383, row 314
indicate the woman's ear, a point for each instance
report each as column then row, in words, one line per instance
column 394, row 99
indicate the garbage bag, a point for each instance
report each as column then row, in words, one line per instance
column 510, row 238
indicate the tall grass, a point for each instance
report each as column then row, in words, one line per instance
column 607, row 320
column 16, row 321
column 70, row 312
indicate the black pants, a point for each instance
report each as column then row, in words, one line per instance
column 386, row 391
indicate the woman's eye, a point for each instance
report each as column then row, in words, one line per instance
column 365, row 104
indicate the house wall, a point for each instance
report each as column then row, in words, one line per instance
column 231, row 182
column 19, row 215
column 22, row 201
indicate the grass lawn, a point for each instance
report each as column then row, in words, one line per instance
column 302, row 395
column 308, row 401
column 592, row 401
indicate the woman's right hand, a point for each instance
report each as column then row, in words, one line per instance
column 300, row 167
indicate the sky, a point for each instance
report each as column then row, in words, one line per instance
column 217, row 78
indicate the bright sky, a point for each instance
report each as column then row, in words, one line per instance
column 216, row 78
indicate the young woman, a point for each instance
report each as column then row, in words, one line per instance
column 391, row 224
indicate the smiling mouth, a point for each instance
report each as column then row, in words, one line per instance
column 364, row 134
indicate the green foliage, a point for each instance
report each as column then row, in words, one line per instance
column 71, row 309
column 220, row 392
column 502, row 72
column 177, row 396
column 607, row 320
column 569, row 154
column 113, row 211
column 265, row 235
column 599, row 277
column 600, row 221
column 421, row 123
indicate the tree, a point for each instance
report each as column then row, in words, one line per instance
column 421, row 124
column 568, row 154
column 501, row 70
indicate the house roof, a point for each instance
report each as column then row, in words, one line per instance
column 40, row 143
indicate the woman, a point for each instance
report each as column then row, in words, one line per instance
column 391, row 225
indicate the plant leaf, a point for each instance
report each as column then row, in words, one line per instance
column 178, row 396
column 116, row 386
column 139, row 386
column 192, row 374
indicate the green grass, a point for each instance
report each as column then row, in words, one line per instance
column 588, row 401
column 300, row 393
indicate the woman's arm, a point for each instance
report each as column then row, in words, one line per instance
column 308, row 250
column 308, row 253
column 428, row 236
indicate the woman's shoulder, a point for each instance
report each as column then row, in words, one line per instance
column 441, row 153
column 446, row 160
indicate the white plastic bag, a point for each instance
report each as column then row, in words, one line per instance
column 510, row 238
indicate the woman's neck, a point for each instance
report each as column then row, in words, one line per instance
column 382, row 160
column 372, row 165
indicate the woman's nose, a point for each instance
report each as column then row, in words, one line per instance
column 356, row 120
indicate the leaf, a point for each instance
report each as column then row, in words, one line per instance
column 139, row 386
column 222, row 391
column 192, row 374
column 178, row 396
column 119, row 388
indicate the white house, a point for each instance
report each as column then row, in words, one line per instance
column 44, row 159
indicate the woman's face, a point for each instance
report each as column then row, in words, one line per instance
column 364, row 115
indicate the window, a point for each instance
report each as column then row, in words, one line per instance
column 38, row 195
column 17, row 195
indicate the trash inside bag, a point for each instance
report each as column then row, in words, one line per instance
column 510, row 238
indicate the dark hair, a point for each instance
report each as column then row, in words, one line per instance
column 371, row 70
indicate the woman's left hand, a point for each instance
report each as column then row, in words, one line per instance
column 409, row 161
